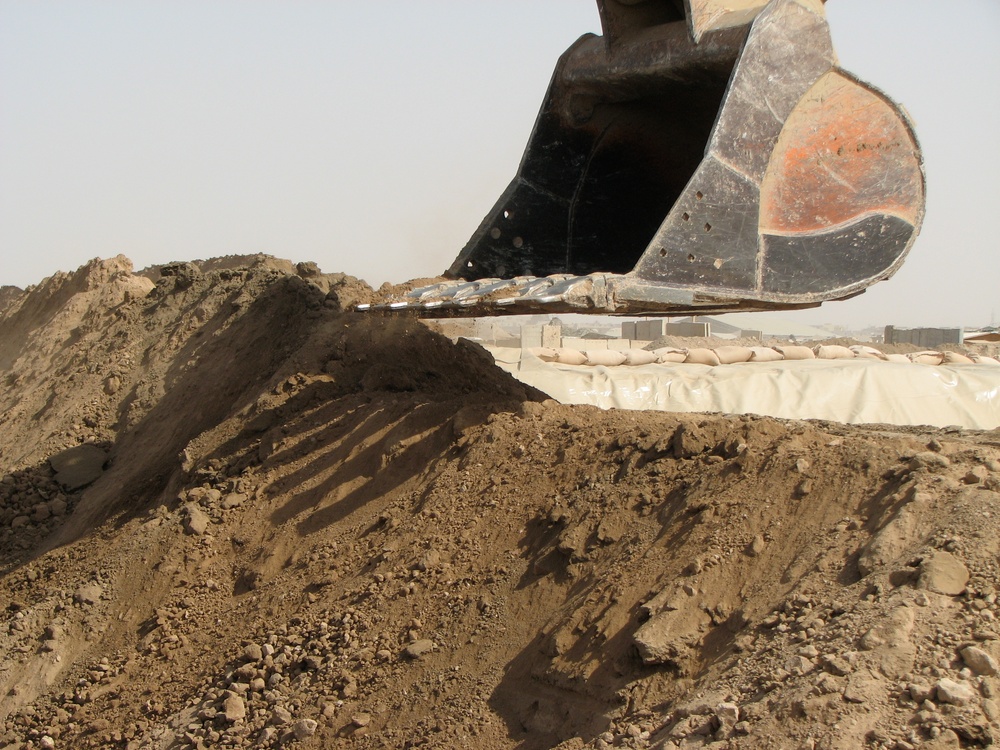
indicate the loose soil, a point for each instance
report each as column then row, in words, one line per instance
column 292, row 525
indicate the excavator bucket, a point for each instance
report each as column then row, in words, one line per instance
column 704, row 156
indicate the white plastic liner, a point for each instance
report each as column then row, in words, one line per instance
column 851, row 391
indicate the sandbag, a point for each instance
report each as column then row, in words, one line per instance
column 637, row 357
column 795, row 352
column 544, row 353
column 833, row 351
column 926, row 358
column 765, row 354
column 729, row 355
column 667, row 355
column 982, row 359
column 604, row 357
column 901, row 359
column 570, row 357
column 867, row 352
column 699, row 356
column 954, row 358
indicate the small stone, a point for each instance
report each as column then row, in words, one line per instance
column 838, row 665
column 979, row 661
column 111, row 384
column 89, row 593
column 253, row 652
column 233, row 500
column 418, row 648
column 304, row 728
column 661, row 639
column 267, row 736
column 78, row 466
column 361, row 720
column 756, row 546
column 976, row 475
column 728, row 714
column 196, row 521
column 280, row 716
column 693, row 568
column 234, row 708
column 46, row 742
column 943, row 573
column 956, row 693
column 799, row 665
column 54, row 632
column 929, row 460
column 827, row 683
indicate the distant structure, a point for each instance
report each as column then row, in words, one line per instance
column 651, row 330
column 762, row 326
column 927, row 338
column 549, row 335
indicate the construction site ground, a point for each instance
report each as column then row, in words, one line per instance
column 235, row 514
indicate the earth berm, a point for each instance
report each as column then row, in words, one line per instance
column 235, row 515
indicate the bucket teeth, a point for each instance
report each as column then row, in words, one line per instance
column 598, row 293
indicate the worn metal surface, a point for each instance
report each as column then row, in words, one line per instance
column 701, row 154
column 711, row 15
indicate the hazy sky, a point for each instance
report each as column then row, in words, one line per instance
column 373, row 137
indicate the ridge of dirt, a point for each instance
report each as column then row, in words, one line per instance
column 312, row 528
column 7, row 296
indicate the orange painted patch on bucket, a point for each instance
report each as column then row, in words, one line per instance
column 843, row 152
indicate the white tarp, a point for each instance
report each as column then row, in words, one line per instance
column 851, row 391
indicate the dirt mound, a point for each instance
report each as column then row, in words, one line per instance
column 233, row 515
column 7, row 296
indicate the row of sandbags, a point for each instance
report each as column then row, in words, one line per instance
column 727, row 355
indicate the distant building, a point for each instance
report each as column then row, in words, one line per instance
column 927, row 338
column 762, row 326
